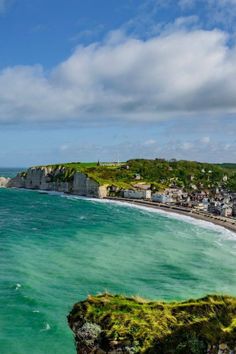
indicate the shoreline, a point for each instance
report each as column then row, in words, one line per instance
column 229, row 224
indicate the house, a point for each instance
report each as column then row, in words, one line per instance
column 214, row 207
column 200, row 207
column 225, row 178
column 161, row 198
column 205, row 203
column 125, row 167
column 175, row 193
column 137, row 177
column 226, row 210
column 137, row 194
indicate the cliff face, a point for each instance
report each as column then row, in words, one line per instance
column 115, row 324
column 60, row 180
column 4, row 182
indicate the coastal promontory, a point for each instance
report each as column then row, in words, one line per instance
column 59, row 178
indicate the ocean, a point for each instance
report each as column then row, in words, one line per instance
column 57, row 249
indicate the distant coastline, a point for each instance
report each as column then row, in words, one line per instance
column 118, row 182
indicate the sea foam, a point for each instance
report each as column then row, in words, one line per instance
column 171, row 215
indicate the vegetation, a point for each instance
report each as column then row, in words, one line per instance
column 232, row 183
column 159, row 173
column 158, row 327
column 228, row 165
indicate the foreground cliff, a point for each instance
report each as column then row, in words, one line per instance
column 115, row 324
column 60, row 179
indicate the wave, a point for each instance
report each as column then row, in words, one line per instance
column 47, row 328
column 171, row 215
column 18, row 286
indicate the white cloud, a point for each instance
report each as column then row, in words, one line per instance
column 212, row 12
column 205, row 140
column 64, row 147
column 150, row 142
column 213, row 3
column 222, row 2
column 172, row 75
column 217, row 151
column 187, row 145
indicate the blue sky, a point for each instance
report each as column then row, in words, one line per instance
column 88, row 80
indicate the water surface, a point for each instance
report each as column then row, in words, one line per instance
column 55, row 250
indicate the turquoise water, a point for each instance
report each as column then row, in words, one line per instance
column 6, row 172
column 55, row 250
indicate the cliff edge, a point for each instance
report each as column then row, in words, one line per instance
column 116, row 324
column 60, row 179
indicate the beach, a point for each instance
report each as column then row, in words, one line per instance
column 228, row 223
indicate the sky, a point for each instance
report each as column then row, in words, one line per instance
column 112, row 80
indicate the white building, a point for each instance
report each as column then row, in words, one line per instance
column 225, row 178
column 226, row 211
column 205, row 203
column 174, row 193
column 137, row 194
column 161, row 198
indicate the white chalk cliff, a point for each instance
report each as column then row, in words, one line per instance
column 51, row 178
column 4, row 182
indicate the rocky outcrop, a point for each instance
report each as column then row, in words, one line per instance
column 58, row 179
column 4, row 182
column 107, row 324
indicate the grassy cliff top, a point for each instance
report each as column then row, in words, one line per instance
column 159, row 172
column 104, row 174
column 158, row 327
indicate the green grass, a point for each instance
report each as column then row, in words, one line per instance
column 158, row 327
column 104, row 175
column 231, row 166
column 159, row 173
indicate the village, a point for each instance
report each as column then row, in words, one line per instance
column 218, row 201
column 223, row 203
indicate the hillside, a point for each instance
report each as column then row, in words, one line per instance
column 159, row 173
column 115, row 324
column 231, row 166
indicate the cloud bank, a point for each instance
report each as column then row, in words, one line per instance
column 185, row 73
